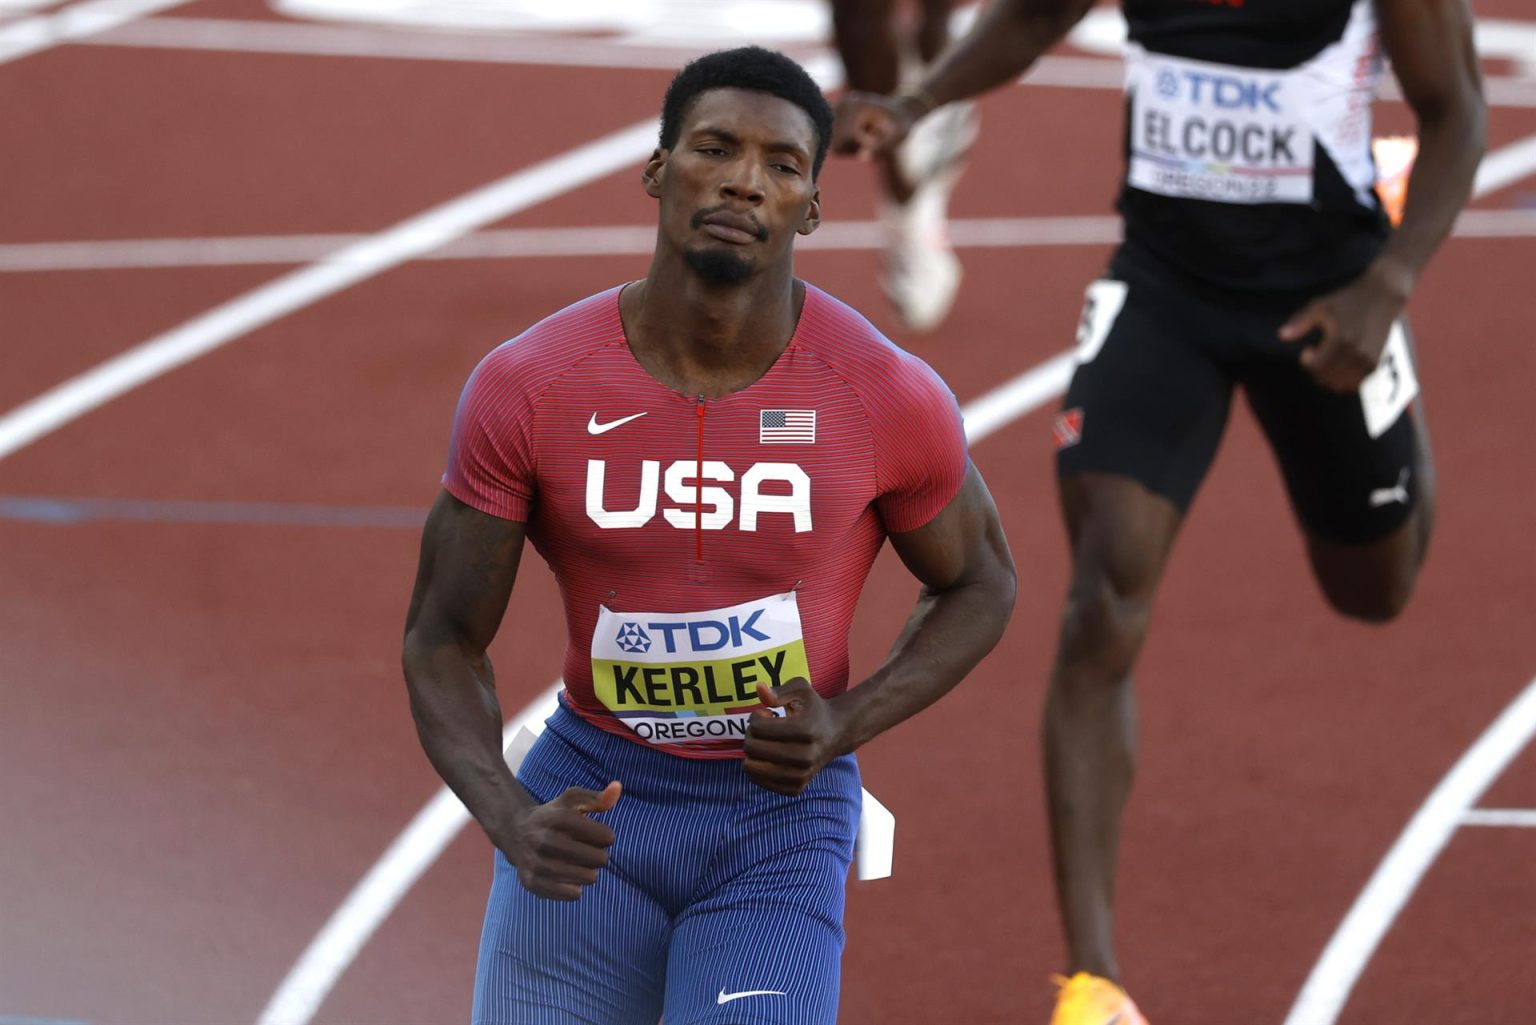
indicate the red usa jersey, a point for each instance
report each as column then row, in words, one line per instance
column 704, row 546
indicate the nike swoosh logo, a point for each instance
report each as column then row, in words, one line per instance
column 725, row 998
column 593, row 427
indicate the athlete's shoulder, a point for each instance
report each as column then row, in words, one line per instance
column 873, row 365
column 914, row 421
column 558, row 342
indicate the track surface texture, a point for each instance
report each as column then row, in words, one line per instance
column 206, row 743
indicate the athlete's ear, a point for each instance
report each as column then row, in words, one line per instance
column 812, row 214
column 650, row 177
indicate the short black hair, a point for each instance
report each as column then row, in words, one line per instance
column 747, row 67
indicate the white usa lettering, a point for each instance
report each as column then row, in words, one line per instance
column 712, row 508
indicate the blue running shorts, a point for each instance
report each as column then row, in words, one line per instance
column 722, row 902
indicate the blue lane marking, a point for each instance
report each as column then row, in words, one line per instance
column 74, row 511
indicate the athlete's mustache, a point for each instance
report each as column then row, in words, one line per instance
column 735, row 220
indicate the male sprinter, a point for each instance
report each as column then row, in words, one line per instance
column 709, row 460
column 1257, row 254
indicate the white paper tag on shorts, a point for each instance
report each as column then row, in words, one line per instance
column 522, row 743
column 1101, row 305
column 1391, row 386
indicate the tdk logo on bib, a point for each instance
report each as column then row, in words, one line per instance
column 1224, row 92
column 710, row 634
column 632, row 638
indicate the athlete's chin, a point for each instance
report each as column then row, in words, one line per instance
column 718, row 266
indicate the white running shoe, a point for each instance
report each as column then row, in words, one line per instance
column 921, row 274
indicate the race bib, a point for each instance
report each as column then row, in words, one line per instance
column 691, row 677
column 1216, row 132
column 1391, row 386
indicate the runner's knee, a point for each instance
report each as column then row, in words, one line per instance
column 1105, row 620
column 1372, row 582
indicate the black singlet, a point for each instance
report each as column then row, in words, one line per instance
column 1224, row 97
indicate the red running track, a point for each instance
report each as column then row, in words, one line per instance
column 205, row 738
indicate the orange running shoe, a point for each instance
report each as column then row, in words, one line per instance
column 1090, row 1000
column 1394, row 156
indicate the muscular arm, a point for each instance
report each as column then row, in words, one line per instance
column 468, row 563
column 962, row 560
column 463, row 580
column 1008, row 36
column 1430, row 45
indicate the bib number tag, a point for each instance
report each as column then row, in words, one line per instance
column 1391, row 386
column 691, row 677
column 1102, row 302
column 1219, row 133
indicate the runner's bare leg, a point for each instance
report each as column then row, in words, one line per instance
column 1120, row 535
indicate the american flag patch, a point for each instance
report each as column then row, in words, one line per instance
column 786, row 427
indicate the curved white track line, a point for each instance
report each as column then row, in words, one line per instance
column 376, row 894
column 1334, row 976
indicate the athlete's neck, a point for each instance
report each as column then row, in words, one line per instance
column 708, row 339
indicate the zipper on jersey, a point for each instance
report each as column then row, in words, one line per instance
column 698, row 484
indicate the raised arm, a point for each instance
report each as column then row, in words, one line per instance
column 1430, row 45
column 961, row 558
column 468, row 564
column 1007, row 37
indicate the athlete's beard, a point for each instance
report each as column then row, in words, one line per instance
column 718, row 266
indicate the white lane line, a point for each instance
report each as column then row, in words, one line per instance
column 1505, row 166
column 1334, row 976
column 1024, row 394
column 17, row 8
column 375, row 897
column 503, row 243
column 139, row 253
column 601, row 240
column 1500, row 168
column 310, row 40
column 73, row 24
column 1521, row 818
column 301, row 39
column 1496, row 224
column 348, row 266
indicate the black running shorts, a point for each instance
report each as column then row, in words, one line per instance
column 1157, row 358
